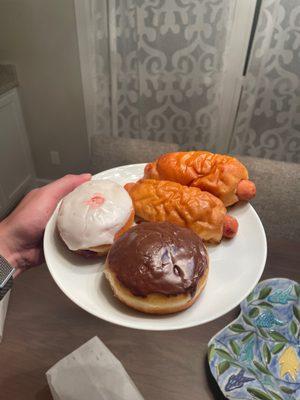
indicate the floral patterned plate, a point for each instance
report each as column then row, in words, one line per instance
column 257, row 356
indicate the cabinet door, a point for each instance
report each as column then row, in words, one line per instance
column 15, row 161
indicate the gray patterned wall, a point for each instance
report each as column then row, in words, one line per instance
column 159, row 74
column 170, row 57
column 268, row 123
column 166, row 60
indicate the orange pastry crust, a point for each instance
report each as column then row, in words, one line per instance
column 190, row 207
column 215, row 173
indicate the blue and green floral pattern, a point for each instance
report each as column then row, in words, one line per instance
column 257, row 356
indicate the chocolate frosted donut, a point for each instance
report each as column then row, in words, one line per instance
column 157, row 267
column 158, row 258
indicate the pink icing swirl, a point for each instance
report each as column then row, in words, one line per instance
column 95, row 201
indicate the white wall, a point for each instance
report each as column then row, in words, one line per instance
column 39, row 37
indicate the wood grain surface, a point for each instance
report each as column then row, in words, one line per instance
column 43, row 325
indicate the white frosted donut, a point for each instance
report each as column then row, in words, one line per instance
column 93, row 213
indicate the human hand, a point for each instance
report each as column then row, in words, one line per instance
column 21, row 233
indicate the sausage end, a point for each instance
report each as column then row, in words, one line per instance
column 230, row 226
column 246, row 190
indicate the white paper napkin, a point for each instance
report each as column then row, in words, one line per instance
column 91, row 372
column 3, row 309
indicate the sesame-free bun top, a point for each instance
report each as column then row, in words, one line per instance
column 158, row 257
column 93, row 213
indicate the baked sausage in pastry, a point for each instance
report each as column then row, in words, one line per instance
column 185, row 206
column 223, row 176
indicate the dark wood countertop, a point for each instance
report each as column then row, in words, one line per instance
column 42, row 326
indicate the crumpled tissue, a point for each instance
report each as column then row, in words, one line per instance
column 91, row 372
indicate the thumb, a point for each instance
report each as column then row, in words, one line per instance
column 61, row 187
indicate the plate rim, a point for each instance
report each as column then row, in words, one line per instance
column 155, row 327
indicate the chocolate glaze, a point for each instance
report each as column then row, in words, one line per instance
column 158, row 257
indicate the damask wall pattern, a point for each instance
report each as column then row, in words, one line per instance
column 158, row 74
column 268, row 121
column 100, row 65
column 165, row 69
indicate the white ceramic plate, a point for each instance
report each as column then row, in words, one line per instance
column 235, row 268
